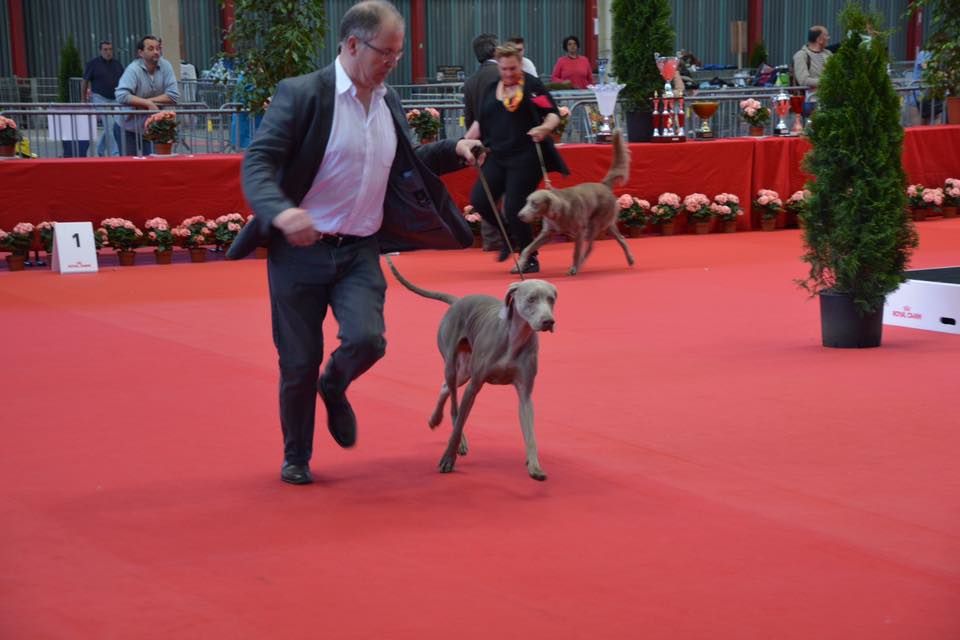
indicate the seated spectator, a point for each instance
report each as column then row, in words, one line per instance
column 808, row 65
column 925, row 110
column 688, row 65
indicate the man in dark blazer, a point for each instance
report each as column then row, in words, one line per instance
column 484, row 46
column 334, row 181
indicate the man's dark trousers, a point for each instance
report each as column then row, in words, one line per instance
column 304, row 283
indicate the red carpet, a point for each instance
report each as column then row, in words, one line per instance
column 713, row 472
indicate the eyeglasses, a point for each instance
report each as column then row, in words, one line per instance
column 386, row 53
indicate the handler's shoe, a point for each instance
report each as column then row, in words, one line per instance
column 532, row 266
column 341, row 420
column 295, row 473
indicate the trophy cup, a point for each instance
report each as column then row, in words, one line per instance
column 781, row 106
column 656, row 115
column 606, row 94
column 705, row 111
column 668, row 70
column 672, row 112
column 796, row 106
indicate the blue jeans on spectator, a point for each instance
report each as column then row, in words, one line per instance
column 131, row 140
column 809, row 108
column 109, row 144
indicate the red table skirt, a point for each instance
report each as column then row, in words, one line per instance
column 79, row 189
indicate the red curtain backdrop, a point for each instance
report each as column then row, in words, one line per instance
column 138, row 189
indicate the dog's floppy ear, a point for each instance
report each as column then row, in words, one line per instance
column 556, row 204
column 506, row 313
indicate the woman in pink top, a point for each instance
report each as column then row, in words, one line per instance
column 572, row 67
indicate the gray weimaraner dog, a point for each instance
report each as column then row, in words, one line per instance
column 485, row 340
column 584, row 211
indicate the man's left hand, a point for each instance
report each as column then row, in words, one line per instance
column 465, row 149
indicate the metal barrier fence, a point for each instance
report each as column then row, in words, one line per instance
column 79, row 129
column 916, row 108
column 45, row 90
column 434, row 91
column 450, row 106
column 206, row 92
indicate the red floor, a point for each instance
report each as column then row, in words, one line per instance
column 713, row 472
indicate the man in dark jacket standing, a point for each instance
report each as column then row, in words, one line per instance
column 100, row 78
column 484, row 46
column 333, row 182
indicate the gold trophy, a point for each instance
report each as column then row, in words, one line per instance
column 705, row 111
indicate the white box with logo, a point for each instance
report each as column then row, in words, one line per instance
column 929, row 299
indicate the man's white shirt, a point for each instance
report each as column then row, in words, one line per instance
column 348, row 190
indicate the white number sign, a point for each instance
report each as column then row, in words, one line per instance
column 73, row 248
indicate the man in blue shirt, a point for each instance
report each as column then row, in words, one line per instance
column 100, row 77
column 145, row 84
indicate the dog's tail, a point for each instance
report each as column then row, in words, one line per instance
column 433, row 295
column 620, row 167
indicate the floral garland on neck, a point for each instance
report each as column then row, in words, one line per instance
column 512, row 103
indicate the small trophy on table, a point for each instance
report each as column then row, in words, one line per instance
column 606, row 95
column 781, row 106
column 705, row 111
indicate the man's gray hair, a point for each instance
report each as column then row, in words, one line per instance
column 364, row 19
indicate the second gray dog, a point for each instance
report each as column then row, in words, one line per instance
column 584, row 211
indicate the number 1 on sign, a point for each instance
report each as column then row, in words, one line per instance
column 78, row 256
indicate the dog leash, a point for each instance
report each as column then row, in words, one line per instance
column 543, row 167
column 496, row 211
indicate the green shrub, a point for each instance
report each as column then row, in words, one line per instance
column 640, row 29
column 858, row 237
column 70, row 67
column 274, row 39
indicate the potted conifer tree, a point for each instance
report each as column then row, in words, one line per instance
column 857, row 234
column 640, row 29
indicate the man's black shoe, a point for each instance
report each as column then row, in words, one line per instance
column 504, row 253
column 341, row 421
column 295, row 473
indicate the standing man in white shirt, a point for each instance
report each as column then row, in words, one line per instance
column 334, row 181
column 528, row 66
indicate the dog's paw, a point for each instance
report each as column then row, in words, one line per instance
column 446, row 463
column 435, row 420
column 630, row 260
column 535, row 471
column 537, row 474
column 572, row 271
column 463, row 448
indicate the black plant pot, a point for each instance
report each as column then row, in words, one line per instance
column 639, row 126
column 842, row 325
